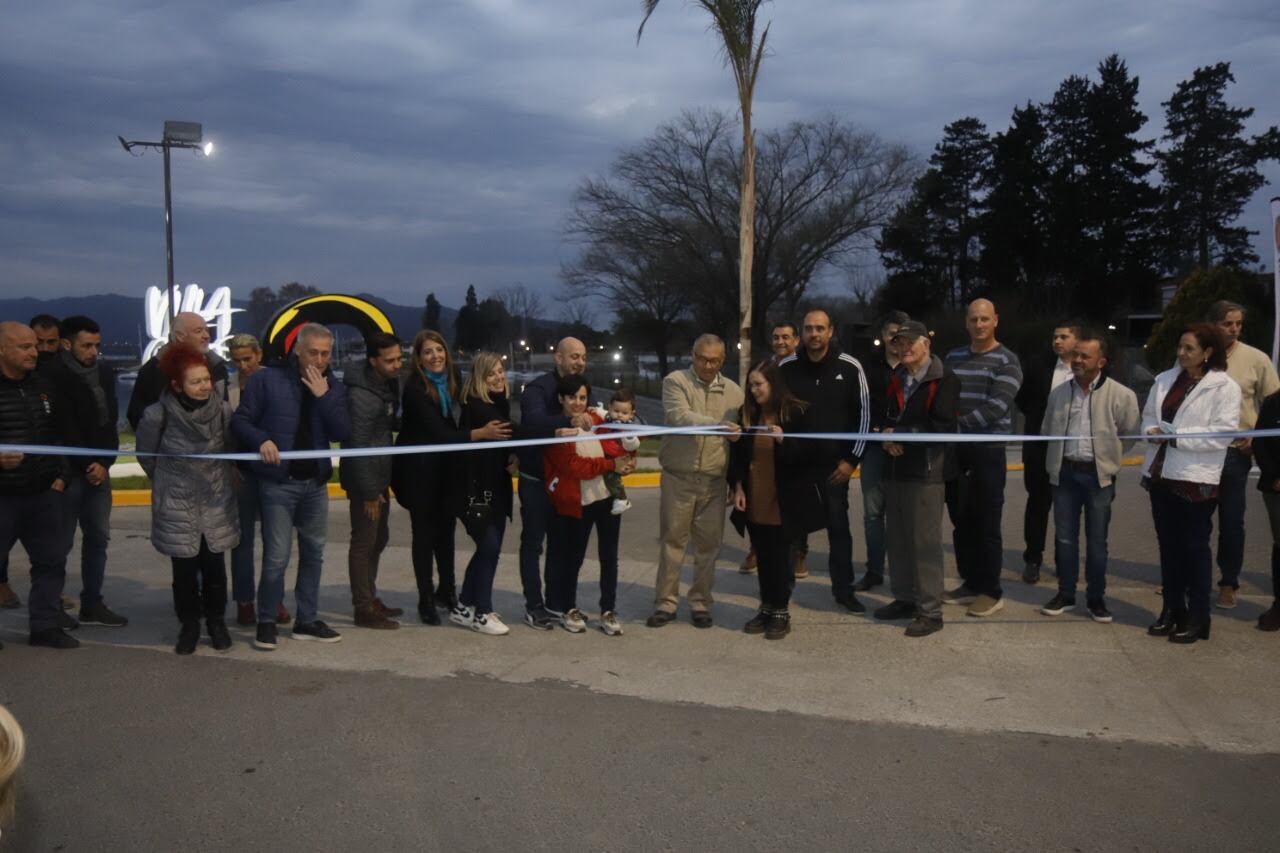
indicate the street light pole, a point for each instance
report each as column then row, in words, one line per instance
column 177, row 134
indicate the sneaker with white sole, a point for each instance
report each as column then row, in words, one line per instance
column 1098, row 612
column 960, row 595
column 539, row 617
column 620, row 505
column 1058, row 605
column 463, row 615
column 574, row 621
column 609, row 623
column 489, row 623
column 316, row 631
column 985, row 605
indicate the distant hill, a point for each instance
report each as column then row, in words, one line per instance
column 121, row 317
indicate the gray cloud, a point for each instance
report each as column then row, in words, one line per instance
column 397, row 146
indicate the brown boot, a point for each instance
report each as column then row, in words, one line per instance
column 371, row 617
column 798, row 567
column 749, row 562
column 8, row 598
column 385, row 610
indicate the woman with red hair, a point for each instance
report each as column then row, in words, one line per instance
column 194, row 520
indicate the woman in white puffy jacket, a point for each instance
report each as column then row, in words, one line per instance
column 1181, row 472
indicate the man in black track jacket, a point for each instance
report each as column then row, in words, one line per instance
column 835, row 387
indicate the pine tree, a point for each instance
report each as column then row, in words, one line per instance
column 431, row 313
column 1210, row 171
column 468, row 326
column 962, row 160
column 1015, row 214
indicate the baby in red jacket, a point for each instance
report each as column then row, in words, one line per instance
column 622, row 410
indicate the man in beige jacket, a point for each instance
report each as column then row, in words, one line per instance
column 694, row 489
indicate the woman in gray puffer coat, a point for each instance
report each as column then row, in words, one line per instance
column 194, row 520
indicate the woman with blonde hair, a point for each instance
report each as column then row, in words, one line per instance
column 487, row 502
column 13, row 745
column 427, row 484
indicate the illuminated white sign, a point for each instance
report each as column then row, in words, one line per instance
column 216, row 311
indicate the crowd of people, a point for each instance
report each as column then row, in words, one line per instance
column 751, row 460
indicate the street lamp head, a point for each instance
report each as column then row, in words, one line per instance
column 207, row 148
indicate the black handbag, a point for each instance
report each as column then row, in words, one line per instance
column 475, row 516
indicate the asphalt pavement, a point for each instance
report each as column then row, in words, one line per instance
column 1013, row 733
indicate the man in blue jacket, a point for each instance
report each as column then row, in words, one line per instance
column 294, row 406
column 540, row 409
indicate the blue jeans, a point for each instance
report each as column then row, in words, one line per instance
column 535, row 515
column 1078, row 490
column 300, row 504
column 477, row 583
column 242, row 569
column 872, row 468
column 1232, row 489
column 88, row 508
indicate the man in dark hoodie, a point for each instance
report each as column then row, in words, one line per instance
column 86, row 386
column 293, row 406
column 188, row 328
column 31, row 485
column 834, row 386
column 373, row 398
column 922, row 396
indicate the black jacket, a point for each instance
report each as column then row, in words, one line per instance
column 427, row 482
column 839, row 401
column 540, row 409
column 486, row 467
column 931, row 407
column 31, row 413
column 1266, row 451
column 374, row 406
column 1033, row 394
column 151, row 383
column 83, row 427
column 878, row 371
column 799, row 470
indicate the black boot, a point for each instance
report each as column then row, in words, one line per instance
column 1166, row 623
column 218, row 634
column 1192, row 630
column 446, row 598
column 188, row 638
column 1270, row 621
column 427, row 610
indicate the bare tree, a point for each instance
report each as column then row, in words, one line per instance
column 658, row 232
column 522, row 304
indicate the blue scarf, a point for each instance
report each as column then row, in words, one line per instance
column 441, row 381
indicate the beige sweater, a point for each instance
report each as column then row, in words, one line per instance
column 1253, row 371
column 688, row 401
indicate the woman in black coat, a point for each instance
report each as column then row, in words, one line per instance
column 429, row 484
column 773, row 496
column 487, row 502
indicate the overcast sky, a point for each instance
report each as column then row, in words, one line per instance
column 397, row 147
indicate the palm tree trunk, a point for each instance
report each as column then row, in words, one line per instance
column 746, row 242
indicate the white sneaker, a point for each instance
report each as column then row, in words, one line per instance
column 620, row 505
column 609, row 623
column 489, row 623
column 575, row 621
column 463, row 615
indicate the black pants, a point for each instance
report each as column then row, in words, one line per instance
column 200, row 585
column 1183, row 530
column 567, row 539
column 839, row 540
column 36, row 522
column 975, row 502
column 773, row 555
column 1035, row 519
column 433, row 534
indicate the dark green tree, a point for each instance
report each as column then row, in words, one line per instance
column 1016, row 207
column 1191, row 303
column 915, row 254
column 431, row 313
column 468, row 327
column 1210, row 171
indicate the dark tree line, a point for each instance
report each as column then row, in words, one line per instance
column 1070, row 208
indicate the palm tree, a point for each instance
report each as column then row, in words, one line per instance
column 735, row 21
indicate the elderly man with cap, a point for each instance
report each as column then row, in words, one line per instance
column 922, row 397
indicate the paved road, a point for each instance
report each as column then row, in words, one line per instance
column 1018, row 733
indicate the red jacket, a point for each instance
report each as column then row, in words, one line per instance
column 564, row 470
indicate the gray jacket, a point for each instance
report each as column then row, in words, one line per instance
column 372, row 402
column 1113, row 412
column 190, row 497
